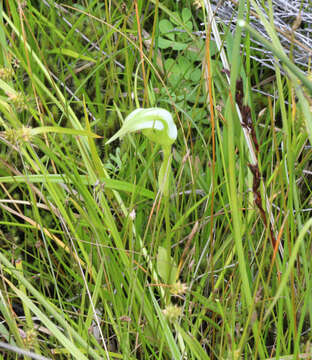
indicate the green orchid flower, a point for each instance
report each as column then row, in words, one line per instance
column 157, row 125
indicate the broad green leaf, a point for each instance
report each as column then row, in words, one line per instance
column 189, row 26
column 186, row 68
column 166, row 266
column 164, row 43
column 196, row 75
column 186, row 14
column 175, row 18
column 165, row 28
column 179, row 46
column 169, row 64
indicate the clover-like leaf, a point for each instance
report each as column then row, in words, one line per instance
column 165, row 28
column 164, row 43
column 186, row 14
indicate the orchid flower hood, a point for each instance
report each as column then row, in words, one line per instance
column 157, row 124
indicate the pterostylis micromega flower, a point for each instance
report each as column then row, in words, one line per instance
column 157, row 125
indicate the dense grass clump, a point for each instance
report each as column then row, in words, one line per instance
column 195, row 246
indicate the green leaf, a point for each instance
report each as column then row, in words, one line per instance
column 166, row 266
column 186, row 14
column 189, row 25
column 61, row 130
column 169, row 64
column 164, row 43
column 185, row 67
column 193, row 344
column 72, row 54
column 166, row 331
column 63, row 179
column 59, row 335
column 165, row 28
column 175, row 18
column 196, row 75
column 178, row 46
